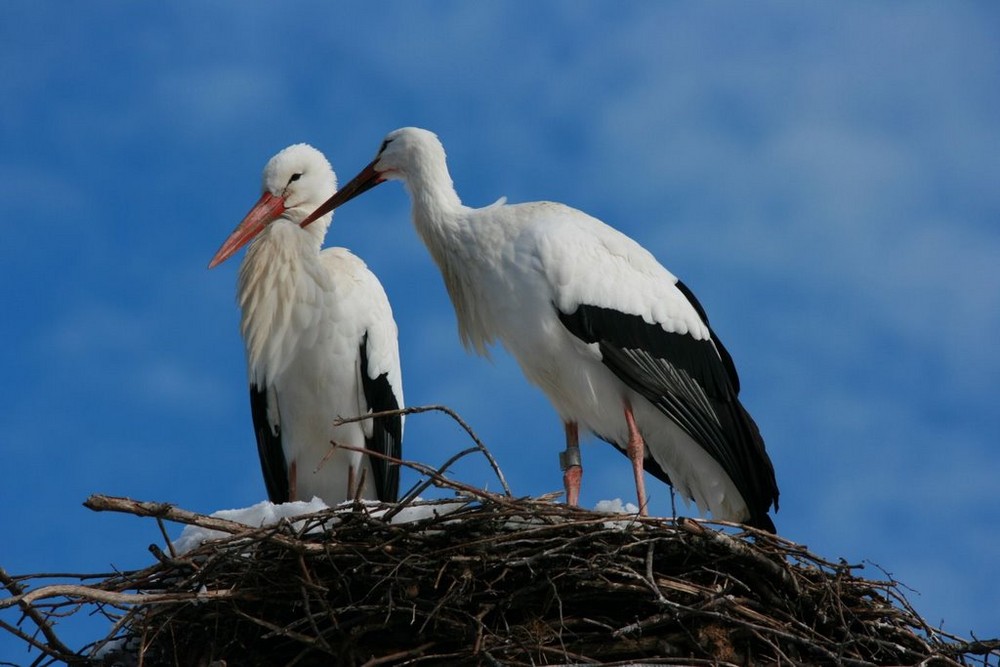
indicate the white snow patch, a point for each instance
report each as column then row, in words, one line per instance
column 117, row 652
column 419, row 511
column 264, row 513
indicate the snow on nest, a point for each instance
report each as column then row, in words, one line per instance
column 266, row 513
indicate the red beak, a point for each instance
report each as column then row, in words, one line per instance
column 267, row 209
column 366, row 180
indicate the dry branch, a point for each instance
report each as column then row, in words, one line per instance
column 479, row 446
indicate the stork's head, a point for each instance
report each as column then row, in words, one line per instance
column 406, row 154
column 295, row 181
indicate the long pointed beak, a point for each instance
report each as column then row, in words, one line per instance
column 363, row 182
column 268, row 208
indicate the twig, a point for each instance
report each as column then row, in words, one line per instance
column 33, row 642
column 102, row 503
column 166, row 538
column 435, row 477
column 451, row 413
column 94, row 594
column 18, row 592
column 399, row 655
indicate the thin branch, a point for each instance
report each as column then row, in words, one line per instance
column 93, row 594
column 397, row 656
column 436, row 408
column 102, row 503
column 435, row 477
column 18, row 592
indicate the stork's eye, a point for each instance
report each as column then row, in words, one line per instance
column 384, row 144
column 294, row 178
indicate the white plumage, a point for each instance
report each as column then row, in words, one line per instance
column 321, row 343
column 617, row 343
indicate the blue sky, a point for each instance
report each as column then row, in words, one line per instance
column 823, row 175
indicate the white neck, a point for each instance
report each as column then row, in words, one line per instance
column 316, row 229
column 451, row 233
column 432, row 190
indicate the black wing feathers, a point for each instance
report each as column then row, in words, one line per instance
column 272, row 456
column 694, row 382
column 727, row 360
column 387, row 432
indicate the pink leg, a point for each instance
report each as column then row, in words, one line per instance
column 572, row 464
column 636, row 451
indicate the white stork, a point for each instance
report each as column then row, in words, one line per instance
column 320, row 340
column 619, row 345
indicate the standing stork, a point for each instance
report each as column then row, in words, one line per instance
column 320, row 341
column 619, row 345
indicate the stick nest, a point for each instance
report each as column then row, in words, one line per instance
column 504, row 581
column 482, row 579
